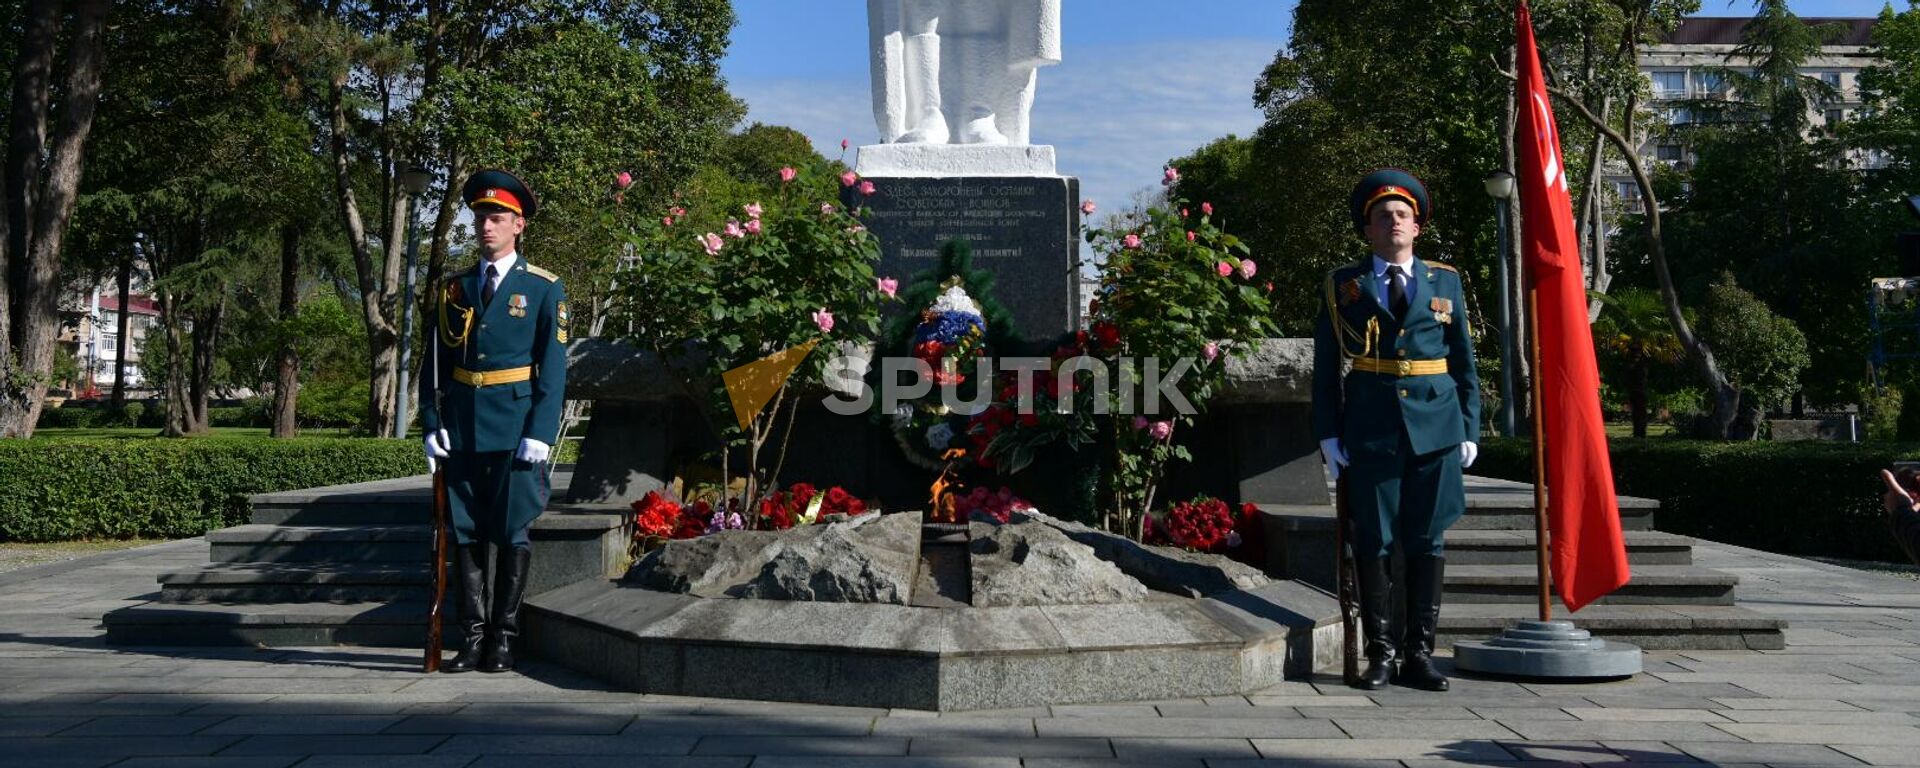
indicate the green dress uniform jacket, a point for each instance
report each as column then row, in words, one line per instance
column 502, row 377
column 1398, row 414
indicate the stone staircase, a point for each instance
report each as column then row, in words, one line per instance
column 344, row 565
column 1492, row 579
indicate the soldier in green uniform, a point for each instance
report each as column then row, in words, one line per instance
column 490, row 405
column 1401, row 423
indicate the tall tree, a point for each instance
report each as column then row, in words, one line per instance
column 40, row 183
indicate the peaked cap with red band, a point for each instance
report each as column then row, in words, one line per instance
column 497, row 188
column 1389, row 184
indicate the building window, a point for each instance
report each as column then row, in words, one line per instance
column 1832, row 79
column 1669, row 83
column 1835, row 116
column 1670, row 153
column 1678, row 116
column 109, row 344
column 1713, row 83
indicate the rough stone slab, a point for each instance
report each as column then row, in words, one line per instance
column 1165, row 569
column 1031, row 563
column 1137, row 625
column 976, row 631
column 868, row 559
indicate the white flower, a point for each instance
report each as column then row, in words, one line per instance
column 956, row 299
column 939, row 436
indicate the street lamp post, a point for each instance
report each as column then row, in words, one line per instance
column 415, row 180
column 1499, row 186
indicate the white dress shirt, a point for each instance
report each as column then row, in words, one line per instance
column 1380, row 279
column 500, row 269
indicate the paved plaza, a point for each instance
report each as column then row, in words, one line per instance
column 1844, row 692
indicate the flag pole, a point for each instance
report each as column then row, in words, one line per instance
column 1539, row 455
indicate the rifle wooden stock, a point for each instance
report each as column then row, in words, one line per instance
column 1345, row 575
column 439, row 567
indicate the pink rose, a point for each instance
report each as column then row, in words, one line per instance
column 1247, row 269
column 753, row 226
column 824, row 319
column 866, row 187
column 788, row 174
column 1184, row 214
column 753, row 210
column 666, row 221
column 826, row 209
column 1162, row 430
column 734, row 230
column 848, row 179
column 1206, row 209
column 1087, row 207
column 1139, row 422
column 1173, row 175
column 1223, row 268
column 624, row 180
column 1132, row 242
column 843, row 145
column 678, row 212
column 1210, row 351
column 712, row 242
column 888, row 286
column 1190, row 235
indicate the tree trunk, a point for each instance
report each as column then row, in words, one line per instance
column 443, row 221
column 179, row 419
column 37, row 215
column 375, row 299
column 1637, row 399
column 1516, row 288
column 206, row 344
column 286, row 387
column 1725, row 396
column 124, row 330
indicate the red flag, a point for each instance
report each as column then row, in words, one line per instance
column 1589, row 553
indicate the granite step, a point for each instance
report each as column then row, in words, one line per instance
column 1489, row 547
column 385, row 624
column 1652, row 627
column 320, row 544
column 297, row 583
column 1671, row 585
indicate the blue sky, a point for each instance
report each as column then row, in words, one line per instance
column 1143, row 81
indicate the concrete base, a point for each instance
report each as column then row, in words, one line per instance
column 958, row 658
column 1548, row 649
column 948, row 160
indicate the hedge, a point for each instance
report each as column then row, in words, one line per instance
column 61, row 489
column 1806, row 498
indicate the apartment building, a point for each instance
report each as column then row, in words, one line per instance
column 1688, row 65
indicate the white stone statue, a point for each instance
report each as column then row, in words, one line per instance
column 959, row 71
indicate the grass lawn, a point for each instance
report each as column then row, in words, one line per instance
column 20, row 555
column 1625, row 429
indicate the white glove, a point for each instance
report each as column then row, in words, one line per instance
column 1335, row 455
column 1469, row 451
column 438, row 444
column 532, row 451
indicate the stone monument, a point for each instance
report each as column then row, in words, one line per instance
column 953, row 87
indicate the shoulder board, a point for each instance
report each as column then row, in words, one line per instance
column 542, row 274
column 1447, row 267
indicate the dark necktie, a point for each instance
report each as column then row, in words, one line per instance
column 1396, row 291
column 486, row 286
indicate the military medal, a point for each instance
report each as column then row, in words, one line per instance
column 1442, row 310
column 517, row 305
column 1350, row 292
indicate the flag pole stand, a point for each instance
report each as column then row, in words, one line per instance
column 1545, row 648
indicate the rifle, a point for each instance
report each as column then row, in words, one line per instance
column 1345, row 575
column 440, row 544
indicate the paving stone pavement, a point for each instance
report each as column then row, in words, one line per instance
column 1846, row 691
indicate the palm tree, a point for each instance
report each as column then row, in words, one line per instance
column 1634, row 331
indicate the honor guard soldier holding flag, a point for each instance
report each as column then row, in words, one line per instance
column 490, row 406
column 1402, row 421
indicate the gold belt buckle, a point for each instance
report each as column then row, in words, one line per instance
column 479, row 378
column 1406, row 367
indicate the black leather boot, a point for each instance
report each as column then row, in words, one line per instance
column 1424, row 587
column 470, row 598
column 510, row 584
column 1376, row 594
